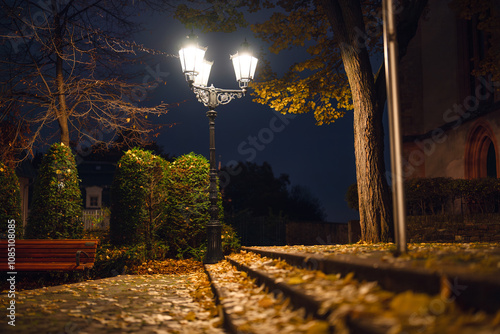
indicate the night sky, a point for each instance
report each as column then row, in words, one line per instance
column 320, row 158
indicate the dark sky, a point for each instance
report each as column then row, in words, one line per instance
column 318, row 157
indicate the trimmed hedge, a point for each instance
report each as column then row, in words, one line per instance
column 351, row 197
column 448, row 196
column 138, row 198
column 188, row 205
column 156, row 202
column 56, row 210
column 10, row 197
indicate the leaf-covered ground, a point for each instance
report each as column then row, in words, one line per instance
column 254, row 310
column 174, row 296
column 473, row 257
column 346, row 299
column 178, row 301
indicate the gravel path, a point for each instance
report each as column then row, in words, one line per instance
column 121, row 304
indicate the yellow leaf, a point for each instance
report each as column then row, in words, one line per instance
column 295, row 280
column 266, row 302
column 319, row 327
column 348, row 278
column 191, row 316
column 409, row 302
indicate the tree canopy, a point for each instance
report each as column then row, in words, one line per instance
column 69, row 65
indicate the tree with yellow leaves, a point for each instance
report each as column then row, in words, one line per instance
column 339, row 36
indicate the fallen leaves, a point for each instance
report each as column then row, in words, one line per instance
column 409, row 302
column 170, row 267
column 254, row 310
column 481, row 256
column 266, row 302
column 344, row 299
column 127, row 303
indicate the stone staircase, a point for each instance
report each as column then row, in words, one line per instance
column 264, row 291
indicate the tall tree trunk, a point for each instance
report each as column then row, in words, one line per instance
column 61, row 108
column 346, row 19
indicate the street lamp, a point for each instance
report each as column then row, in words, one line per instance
column 197, row 70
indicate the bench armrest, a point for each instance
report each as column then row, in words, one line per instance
column 78, row 256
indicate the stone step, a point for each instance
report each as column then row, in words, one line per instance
column 358, row 306
column 313, row 305
column 469, row 290
column 250, row 308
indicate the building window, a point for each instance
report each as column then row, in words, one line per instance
column 491, row 162
column 93, row 197
column 480, row 152
column 478, row 46
column 94, row 201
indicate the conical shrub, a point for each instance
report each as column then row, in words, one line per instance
column 10, row 199
column 57, row 200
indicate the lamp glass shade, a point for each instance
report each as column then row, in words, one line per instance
column 204, row 73
column 244, row 67
column 191, row 57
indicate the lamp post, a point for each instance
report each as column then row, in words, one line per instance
column 197, row 71
column 394, row 108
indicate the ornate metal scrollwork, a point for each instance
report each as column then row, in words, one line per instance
column 212, row 97
column 202, row 95
column 226, row 97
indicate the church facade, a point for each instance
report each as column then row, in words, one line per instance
column 450, row 118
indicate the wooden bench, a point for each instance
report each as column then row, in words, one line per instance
column 49, row 255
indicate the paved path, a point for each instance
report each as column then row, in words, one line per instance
column 121, row 304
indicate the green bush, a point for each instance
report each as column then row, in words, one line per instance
column 351, row 197
column 10, row 197
column 230, row 241
column 481, row 195
column 138, row 198
column 114, row 260
column 57, row 201
column 429, row 195
column 188, row 205
column 433, row 196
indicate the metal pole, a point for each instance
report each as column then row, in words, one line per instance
column 392, row 83
column 214, row 228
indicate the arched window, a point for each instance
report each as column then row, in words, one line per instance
column 481, row 158
column 491, row 162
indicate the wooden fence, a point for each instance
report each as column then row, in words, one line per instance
column 95, row 219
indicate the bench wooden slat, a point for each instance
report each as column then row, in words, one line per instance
column 83, row 259
column 47, row 267
column 49, row 255
column 60, row 243
column 47, row 252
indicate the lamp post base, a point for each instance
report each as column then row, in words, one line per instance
column 214, row 243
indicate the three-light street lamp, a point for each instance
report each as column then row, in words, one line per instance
column 197, row 71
